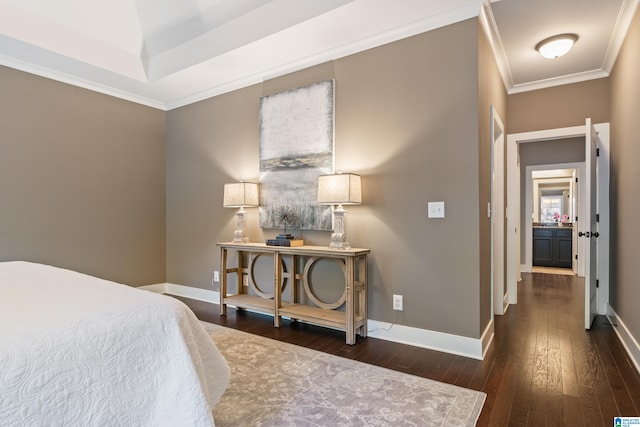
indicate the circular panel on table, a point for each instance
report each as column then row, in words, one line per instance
column 328, row 270
column 264, row 265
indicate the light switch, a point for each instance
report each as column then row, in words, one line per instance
column 436, row 209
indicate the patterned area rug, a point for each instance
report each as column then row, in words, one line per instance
column 280, row 384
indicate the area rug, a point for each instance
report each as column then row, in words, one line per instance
column 280, row 384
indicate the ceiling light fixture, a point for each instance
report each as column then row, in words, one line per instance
column 556, row 46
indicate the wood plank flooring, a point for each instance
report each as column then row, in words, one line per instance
column 543, row 368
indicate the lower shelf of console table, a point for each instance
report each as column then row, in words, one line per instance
column 352, row 318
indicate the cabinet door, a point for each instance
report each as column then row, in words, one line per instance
column 563, row 248
column 543, row 247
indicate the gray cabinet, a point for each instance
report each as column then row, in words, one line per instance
column 552, row 247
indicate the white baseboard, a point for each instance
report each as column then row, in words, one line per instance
column 159, row 288
column 505, row 303
column 424, row 338
column 487, row 338
column 628, row 341
column 524, row 269
column 184, row 291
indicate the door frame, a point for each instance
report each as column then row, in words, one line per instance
column 528, row 232
column 496, row 212
column 512, row 254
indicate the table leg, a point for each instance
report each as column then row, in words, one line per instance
column 223, row 281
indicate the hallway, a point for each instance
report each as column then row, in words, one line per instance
column 543, row 368
column 553, row 371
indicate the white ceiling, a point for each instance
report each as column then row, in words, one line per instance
column 169, row 53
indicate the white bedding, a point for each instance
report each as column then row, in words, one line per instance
column 80, row 351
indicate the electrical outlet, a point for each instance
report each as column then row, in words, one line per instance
column 245, row 280
column 216, row 276
column 397, row 302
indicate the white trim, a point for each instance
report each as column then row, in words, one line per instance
column 432, row 340
column 190, row 292
column 627, row 12
column 604, row 225
column 626, row 338
column 505, row 303
column 528, row 226
column 73, row 80
column 467, row 11
column 497, row 213
column 488, row 24
column 159, row 288
column 524, row 269
column 487, row 337
column 547, row 134
column 558, row 81
column 513, row 197
column 448, row 343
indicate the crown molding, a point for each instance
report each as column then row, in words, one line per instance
column 488, row 24
column 627, row 12
column 468, row 11
column 487, row 21
column 70, row 79
column 558, row 81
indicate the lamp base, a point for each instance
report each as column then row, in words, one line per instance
column 339, row 236
column 339, row 241
column 239, row 236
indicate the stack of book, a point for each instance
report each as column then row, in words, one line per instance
column 285, row 240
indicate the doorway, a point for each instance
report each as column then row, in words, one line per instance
column 556, row 223
column 515, row 224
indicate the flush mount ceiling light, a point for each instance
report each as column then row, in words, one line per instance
column 556, row 46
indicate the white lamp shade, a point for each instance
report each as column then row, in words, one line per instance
column 556, row 46
column 339, row 189
column 240, row 194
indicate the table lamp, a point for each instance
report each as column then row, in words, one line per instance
column 240, row 195
column 337, row 190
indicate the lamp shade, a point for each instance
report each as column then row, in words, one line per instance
column 556, row 46
column 339, row 189
column 240, row 194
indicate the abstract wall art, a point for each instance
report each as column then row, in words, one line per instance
column 296, row 146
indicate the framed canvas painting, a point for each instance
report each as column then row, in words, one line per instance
column 296, row 146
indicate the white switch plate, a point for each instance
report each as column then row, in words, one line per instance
column 397, row 302
column 216, row 276
column 436, row 209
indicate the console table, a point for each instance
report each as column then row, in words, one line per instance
column 297, row 272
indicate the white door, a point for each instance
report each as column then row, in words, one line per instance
column 589, row 225
column 574, row 229
column 496, row 212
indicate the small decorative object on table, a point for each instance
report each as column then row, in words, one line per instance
column 287, row 216
column 285, row 242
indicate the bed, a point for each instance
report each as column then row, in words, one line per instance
column 76, row 350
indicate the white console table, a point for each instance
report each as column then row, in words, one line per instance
column 352, row 320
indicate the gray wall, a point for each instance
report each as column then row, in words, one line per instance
column 569, row 150
column 559, row 106
column 625, row 181
column 82, row 180
column 407, row 121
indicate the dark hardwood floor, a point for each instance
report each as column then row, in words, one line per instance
column 543, row 368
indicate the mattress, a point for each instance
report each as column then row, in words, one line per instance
column 76, row 350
